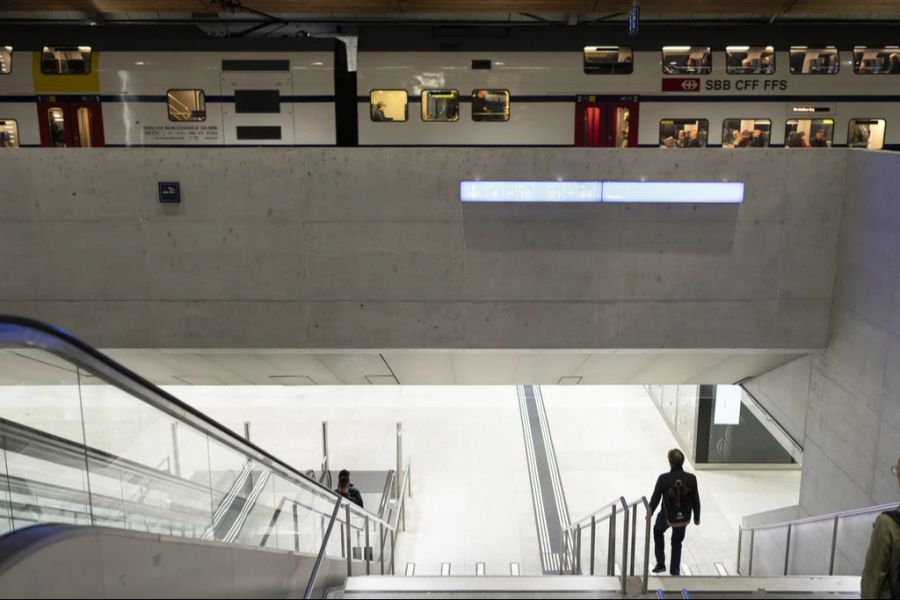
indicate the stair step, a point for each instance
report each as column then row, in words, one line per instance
column 480, row 586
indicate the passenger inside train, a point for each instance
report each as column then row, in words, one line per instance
column 809, row 133
column 490, row 105
column 389, row 105
column 750, row 60
column 683, row 133
column 876, row 60
column 746, row 133
column 686, row 60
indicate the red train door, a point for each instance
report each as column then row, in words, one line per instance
column 70, row 121
column 607, row 124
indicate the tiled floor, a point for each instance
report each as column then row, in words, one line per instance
column 472, row 501
column 471, row 495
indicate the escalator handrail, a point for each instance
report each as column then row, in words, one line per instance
column 22, row 332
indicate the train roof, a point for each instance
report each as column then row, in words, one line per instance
column 129, row 38
column 651, row 36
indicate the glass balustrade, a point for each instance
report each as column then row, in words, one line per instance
column 85, row 442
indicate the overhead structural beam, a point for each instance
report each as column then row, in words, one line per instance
column 788, row 5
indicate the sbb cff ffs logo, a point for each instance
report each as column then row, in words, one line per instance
column 746, row 85
column 692, row 84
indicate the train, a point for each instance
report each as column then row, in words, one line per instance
column 671, row 86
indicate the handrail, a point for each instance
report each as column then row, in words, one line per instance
column 828, row 517
column 386, row 493
column 24, row 332
column 613, row 508
column 315, row 572
column 788, row 526
column 404, row 485
column 617, row 502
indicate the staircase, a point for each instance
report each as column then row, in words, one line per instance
column 603, row 556
column 579, row 586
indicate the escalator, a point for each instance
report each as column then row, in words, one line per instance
column 91, row 453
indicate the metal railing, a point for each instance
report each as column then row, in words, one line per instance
column 387, row 531
column 832, row 544
column 571, row 556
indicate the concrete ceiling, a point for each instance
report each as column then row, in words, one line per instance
column 609, row 8
column 415, row 367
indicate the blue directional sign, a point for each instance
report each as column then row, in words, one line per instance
column 634, row 16
column 531, row 191
column 169, row 192
column 696, row 192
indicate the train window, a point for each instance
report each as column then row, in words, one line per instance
column 5, row 59
column 490, row 105
column 56, row 123
column 746, row 133
column 608, row 60
column 881, row 60
column 187, row 105
column 750, row 60
column 69, row 60
column 808, row 133
column 683, row 133
column 686, row 60
column 821, row 60
column 866, row 133
column 9, row 133
column 440, row 105
column 388, row 105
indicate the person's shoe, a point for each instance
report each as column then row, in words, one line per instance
column 659, row 568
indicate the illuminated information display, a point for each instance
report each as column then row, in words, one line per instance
column 696, row 192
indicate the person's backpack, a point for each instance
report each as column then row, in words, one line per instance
column 894, row 573
column 678, row 501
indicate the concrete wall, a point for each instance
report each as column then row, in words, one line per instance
column 370, row 248
column 846, row 402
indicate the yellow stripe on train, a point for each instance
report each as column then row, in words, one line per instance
column 89, row 82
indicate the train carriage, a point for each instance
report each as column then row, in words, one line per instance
column 672, row 86
column 149, row 86
column 596, row 86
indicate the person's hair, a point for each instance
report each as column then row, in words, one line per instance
column 676, row 457
column 344, row 477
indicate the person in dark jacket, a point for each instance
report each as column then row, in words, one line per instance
column 347, row 489
column 680, row 498
column 882, row 568
column 819, row 140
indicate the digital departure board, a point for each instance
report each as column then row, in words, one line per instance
column 693, row 192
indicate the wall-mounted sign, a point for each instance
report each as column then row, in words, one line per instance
column 169, row 192
column 692, row 192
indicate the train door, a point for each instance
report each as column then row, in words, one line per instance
column 263, row 111
column 605, row 124
column 70, row 121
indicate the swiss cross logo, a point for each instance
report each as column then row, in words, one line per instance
column 681, row 84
